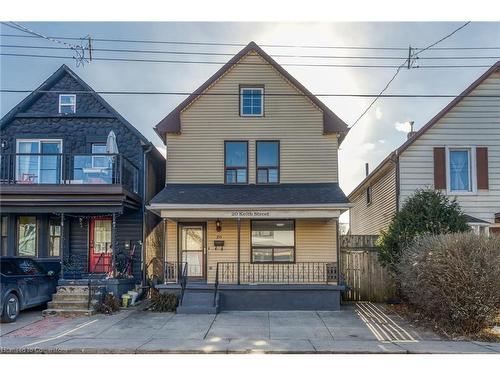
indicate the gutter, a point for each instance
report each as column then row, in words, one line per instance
column 144, row 207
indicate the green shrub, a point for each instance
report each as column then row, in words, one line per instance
column 163, row 302
column 427, row 211
column 453, row 280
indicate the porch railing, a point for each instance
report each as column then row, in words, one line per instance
column 72, row 169
column 173, row 271
column 276, row 273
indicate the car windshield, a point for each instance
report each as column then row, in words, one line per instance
column 29, row 267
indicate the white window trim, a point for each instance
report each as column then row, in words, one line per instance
column 61, row 104
column 473, row 171
column 39, row 140
column 261, row 89
column 94, row 157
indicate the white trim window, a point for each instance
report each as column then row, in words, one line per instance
column 460, row 169
column 38, row 161
column 67, row 103
column 252, row 101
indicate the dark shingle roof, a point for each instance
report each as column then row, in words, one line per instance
column 283, row 194
column 475, row 220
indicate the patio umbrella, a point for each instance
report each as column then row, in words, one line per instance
column 111, row 146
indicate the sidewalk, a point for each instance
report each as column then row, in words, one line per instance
column 364, row 328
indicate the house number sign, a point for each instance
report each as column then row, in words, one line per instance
column 250, row 213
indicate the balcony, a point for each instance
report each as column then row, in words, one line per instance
column 69, row 169
column 70, row 182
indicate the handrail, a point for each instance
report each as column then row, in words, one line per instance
column 89, row 279
column 183, row 280
column 216, row 285
column 276, row 273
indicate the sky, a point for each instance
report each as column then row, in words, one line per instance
column 379, row 132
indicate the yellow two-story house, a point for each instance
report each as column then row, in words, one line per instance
column 251, row 201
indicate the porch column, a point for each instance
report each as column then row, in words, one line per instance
column 61, row 249
column 238, row 226
column 113, row 243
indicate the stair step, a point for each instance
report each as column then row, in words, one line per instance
column 72, row 289
column 68, row 313
column 68, row 305
column 198, row 303
column 59, row 297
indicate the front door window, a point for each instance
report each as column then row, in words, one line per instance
column 26, row 236
column 193, row 249
column 100, row 245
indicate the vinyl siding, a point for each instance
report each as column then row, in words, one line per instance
column 472, row 122
column 315, row 241
column 197, row 154
column 371, row 219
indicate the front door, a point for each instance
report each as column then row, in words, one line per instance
column 100, row 251
column 193, row 249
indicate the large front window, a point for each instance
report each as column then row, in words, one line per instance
column 268, row 161
column 236, row 162
column 251, row 101
column 460, row 170
column 273, row 241
column 26, row 236
column 38, row 161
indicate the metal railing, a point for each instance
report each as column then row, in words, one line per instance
column 173, row 271
column 275, row 273
column 69, row 169
column 183, row 280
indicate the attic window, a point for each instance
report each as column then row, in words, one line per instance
column 251, row 101
column 67, row 103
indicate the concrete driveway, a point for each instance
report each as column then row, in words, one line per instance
column 360, row 328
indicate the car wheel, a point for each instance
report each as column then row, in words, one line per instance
column 10, row 308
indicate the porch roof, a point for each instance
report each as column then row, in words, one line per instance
column 251, row 195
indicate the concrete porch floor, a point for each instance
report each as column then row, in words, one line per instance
column 361, row 328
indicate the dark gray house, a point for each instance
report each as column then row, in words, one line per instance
column 74, row 180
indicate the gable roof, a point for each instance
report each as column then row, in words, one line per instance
column 395, row 154
column 49, row 83
column 172, row 122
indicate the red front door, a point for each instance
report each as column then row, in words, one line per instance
column 100, row 251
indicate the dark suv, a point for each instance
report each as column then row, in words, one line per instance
column 25, row 283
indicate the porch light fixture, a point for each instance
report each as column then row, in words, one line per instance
column 218, row 225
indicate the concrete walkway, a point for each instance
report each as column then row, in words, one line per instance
column 361, row 328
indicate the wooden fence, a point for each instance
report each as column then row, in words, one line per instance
column 362, row 273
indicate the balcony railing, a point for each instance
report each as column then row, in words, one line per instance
column 276, row 273
column 28, row 169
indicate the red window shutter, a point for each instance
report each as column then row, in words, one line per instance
column 482, row 167
column 439, row 168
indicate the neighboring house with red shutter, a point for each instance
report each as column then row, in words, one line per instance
column 457, row 152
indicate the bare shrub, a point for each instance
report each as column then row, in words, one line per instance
column 163, row 302
column 453, row 280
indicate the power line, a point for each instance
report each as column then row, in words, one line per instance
column 133, row 92
column 273, row 55
column 409, row 61
column 262, row 45
column 240, row 63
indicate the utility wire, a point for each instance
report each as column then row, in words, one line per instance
column 132, row 92
column 243, row 44
column 407, row 61
column 79, row 50
column 242, row 63
column 273, row 55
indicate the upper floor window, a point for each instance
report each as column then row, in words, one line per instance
column 252, row 101
column 236, row 162
column 67, row 103
column 460, row 169
column 268, row 161
column 38, row 161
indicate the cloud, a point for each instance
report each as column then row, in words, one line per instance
column 381, row 141
column 378, row 113
column 403, row 126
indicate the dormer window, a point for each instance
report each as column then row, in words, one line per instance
column 67, row 103
column 252, row 101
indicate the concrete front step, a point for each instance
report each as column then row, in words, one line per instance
column 68, row 313
column 72, row 289
column 198, row 303
column 67, row 305
column 59, row 297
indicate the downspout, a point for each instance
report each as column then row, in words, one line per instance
column 144, row 217
column 397, row 180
